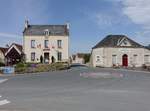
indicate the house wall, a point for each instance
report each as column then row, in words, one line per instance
column 40, row 51
column 2, row 57
column 107, row 53
column 78, row 60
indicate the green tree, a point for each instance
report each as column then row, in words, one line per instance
column 87, row 58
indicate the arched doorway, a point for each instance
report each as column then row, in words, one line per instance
column 125, row 60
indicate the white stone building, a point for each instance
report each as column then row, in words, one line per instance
column 119, row 50
column 46, row 43
column 78, row 58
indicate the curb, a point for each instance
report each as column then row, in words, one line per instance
column 132, row 70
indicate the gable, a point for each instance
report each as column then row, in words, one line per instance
column 14, row 47
column 117, row 41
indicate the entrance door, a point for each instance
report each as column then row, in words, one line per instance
column 125, row 60
column 46, row 58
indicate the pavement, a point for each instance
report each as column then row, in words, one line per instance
column 68, row 91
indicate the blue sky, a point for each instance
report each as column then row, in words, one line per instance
column 90, row 20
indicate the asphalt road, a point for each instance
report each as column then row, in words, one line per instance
column 68, row 91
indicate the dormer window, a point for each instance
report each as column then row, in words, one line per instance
column 47, row 32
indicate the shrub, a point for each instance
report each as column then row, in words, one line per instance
column 2, row 64
column 58, row 66
column 144, row 66
column 87, row 58
column 20, row 69
column 20, row 65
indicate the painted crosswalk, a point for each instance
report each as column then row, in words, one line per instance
column 3, row 80
column 5, row 101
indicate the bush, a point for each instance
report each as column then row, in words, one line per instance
column 144, row 66
column 2, row 64
column 58, row 66
column 20, row 65
column 33, row 68
column 87, row 58
column 20, row 69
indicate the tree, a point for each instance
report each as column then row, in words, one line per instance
column 87, row 58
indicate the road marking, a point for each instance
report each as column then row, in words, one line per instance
column 3, row 102
column 3, row 80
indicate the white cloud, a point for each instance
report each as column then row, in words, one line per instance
column 138, row 12
column 104, row 19
column 107, row 19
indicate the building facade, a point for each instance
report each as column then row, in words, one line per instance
column 46, row 43
column 11, row 55
column 79, row 58
column 2, row 54
column 119, row 50
column 14, row 54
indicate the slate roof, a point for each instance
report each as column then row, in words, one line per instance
column 3, row 49
column 18, row 46
column 38, row 30
column 112, row 41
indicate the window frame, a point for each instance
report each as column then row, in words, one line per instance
column 59, row 43
column 47, row 32
column 32, row 56
column 98, row 58
column 59, row 56
column 33, row 44
column 114, row 59
column 146, row 59
column 46, row 43
column 135, row 58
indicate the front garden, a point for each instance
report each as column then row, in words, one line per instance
column 34, row 68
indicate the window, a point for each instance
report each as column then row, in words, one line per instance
column 147, row 59
column 114, row 59
column 97, row 58
column 46, row 32
column 59, row 56
column 32, row 43
column 59, row 43
column 46, row 43
column 33, row 56
column 135, row 59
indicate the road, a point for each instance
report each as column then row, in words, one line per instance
column 68, row 91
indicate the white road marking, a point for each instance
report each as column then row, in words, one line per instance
column 3, row 102
column 3, row 80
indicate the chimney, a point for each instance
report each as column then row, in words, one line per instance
column 68, row 25
column 26, row 24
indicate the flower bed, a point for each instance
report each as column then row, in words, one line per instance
column 34, row 68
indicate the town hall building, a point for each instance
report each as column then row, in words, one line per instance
column 46, row 43
column 119, row 50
